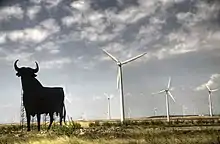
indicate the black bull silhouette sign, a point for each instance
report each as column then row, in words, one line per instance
column 38, row 99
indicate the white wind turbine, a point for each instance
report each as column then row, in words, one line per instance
column 70, row 102
column 120, row 79
column 210, row 100
column 109, row 97
column 67, row 100
column 168, row 93
column 129, row 112
column 184, row 108
column 155, row 111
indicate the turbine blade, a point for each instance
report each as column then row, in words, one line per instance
column 208, row 87
column 134, row 58
column 106, row 95
column 158, row 92
column 111, row 96
column 111, row 56
column 214, row 90
column 68, row 100
column 169, row 82
column 171, row 96
column 118, row 78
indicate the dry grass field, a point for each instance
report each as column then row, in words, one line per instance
column 181, row 130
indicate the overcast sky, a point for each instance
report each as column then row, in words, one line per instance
column 181, row 37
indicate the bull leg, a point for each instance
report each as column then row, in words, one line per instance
column 28, row 121
column 61, row 117
column 51, row 120
column 38, row 122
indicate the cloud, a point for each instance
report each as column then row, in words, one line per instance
column 23, row 56
column 51, row 47
column 36, row 1
column 70, row 20
column 48, row 3
column 57, row 63
column 2, row 38
column 213, row 82
column 206, row 11
column 196, row 32
column 81, row 5
column 80, row 10
column 8, row 12
column 150, row 32
column 37, row 34
column 98, row 26
column 127, row 16
column 28, row 35
column 33, row 11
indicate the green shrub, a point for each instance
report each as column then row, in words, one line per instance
column 94, row 124
column 211, row 122
column 193, row 122
column 107, row 124
column 117, row 124
column 176, row 122
column 158, row 122
column 75, row 125
column 142, row 123
column 186, row 122
column 91, row 124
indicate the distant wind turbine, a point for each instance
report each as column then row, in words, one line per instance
column 210, row 100
column 184, row 108
column 120, row 79
column 168, row 93
column 194, row 111
column 68, row 100
column 109, row 97
column 155, row 111
column 129, row 112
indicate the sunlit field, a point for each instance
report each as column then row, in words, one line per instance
column 188, row 130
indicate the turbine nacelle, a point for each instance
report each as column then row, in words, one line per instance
column 167, row 90
column 119, row 63
column 211, row 90
column 109, row 96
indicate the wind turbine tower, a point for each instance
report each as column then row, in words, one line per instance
column 184, row 108
column 210, row 100
column 120, row 79
column 109, row 97
column 129, row 112
column 155, row 111
column 168, row 93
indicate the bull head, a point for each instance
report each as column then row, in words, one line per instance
column 26, row 71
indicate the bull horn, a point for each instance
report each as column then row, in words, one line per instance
column 36, row 69
column 15, row 66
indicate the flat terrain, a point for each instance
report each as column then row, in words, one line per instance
column 188, row 130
